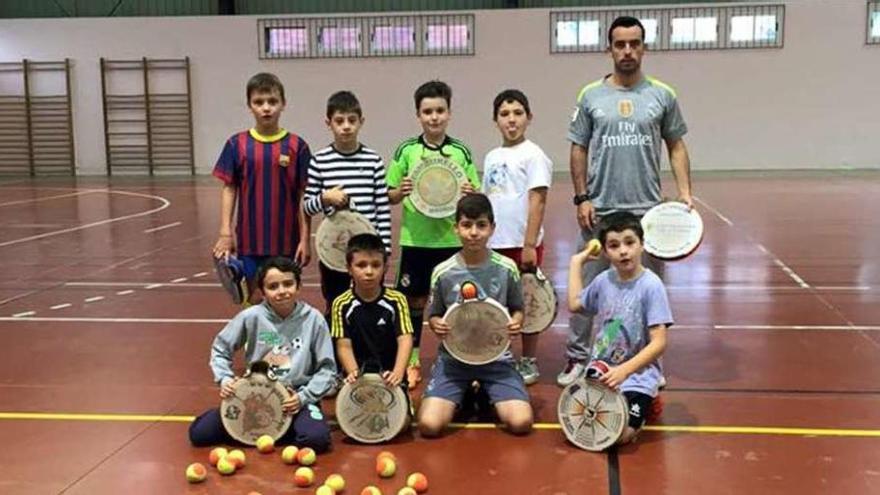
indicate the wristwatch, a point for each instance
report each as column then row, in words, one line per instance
column 580, row 198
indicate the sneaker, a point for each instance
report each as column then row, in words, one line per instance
column 656, row 409
column 230, row 272
column 573, row 370
column 528, row 368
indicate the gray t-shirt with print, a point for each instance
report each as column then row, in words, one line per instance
column 623, row 129
column 497, row 277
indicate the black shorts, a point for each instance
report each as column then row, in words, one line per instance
column 639, row 407
column 333, row 284
column 416, row 266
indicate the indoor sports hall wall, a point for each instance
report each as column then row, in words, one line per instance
column 813, row 104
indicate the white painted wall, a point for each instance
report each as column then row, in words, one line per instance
column 813, row 104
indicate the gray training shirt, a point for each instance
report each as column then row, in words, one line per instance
column 623, row 128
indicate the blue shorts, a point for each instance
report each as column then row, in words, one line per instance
column 450, row 379
column 251, row 265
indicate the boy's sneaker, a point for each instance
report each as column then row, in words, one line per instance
column 230, row 272
column 656, row 409
column 528, row 368
column 573, row 370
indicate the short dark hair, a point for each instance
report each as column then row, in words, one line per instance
column 264, row 82
column 618, row 222
column 283, row 264
column 507, row 96
column 365, row 243
column 433, row 89
column 625, row 21
column 473, row 206
column 343, row 102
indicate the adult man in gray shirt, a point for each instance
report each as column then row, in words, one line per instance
column 618, row 123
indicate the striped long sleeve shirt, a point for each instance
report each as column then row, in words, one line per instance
column 361, row 175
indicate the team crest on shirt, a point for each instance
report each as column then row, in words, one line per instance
column 625, row 108
column 284, row 160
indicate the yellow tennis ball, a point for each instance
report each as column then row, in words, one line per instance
column 336, row 482
column 226, row 466
column 594, row 247
column 237, row 456
column 216, row 454
column 288, row 454
column 303, row 476
column 406, row 491
column 325, row 490
column 306, row 456
column 371, row 490
column 386, row 467
column 196, row 472
column 265, row 444
column 386, row 453
column 418, row 482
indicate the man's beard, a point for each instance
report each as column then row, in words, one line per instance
column 627, row 69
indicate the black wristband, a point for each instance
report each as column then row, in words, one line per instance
column 580, row 198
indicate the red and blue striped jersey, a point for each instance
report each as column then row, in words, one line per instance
column 270, row 173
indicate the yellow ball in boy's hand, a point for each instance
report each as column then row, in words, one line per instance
column 594, row 247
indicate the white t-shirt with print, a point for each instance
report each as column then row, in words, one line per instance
column 508, row 175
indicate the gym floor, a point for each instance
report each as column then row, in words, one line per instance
column 108, row 306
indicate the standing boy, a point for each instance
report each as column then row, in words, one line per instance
column 425, row 241
column 347, row 174
column 263, row 170
column 516, row 178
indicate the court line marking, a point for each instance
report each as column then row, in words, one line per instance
column 165, row 204
column 155, row 285
column 24, row 314
column 61, row 306
column 88, row 319
column 785, row 268
column 93, row 299
column 49, row 198
column 163, row 227
column 717, row 429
